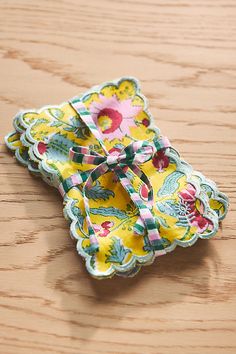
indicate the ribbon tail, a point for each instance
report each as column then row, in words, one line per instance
column 93, row 176
column 139, row 227
column 153, row 235
column 160, row 143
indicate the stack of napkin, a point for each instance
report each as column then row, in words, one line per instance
column 128, row 195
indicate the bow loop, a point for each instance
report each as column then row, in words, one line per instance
column 112, row 161
column 136, row 153
column 143, row 155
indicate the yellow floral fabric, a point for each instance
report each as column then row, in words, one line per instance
column 186, row 205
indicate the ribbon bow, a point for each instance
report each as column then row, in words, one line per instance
column 133, row 155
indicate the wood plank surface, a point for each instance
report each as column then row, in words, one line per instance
column 184, row 54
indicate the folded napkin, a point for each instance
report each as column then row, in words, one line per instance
column 128, row 195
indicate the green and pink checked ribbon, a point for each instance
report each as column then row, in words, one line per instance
column 133, row 155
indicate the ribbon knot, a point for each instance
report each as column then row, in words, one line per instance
column 136, row 153
column 112, row 160
column 133, row 155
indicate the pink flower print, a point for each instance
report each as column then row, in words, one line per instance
column 188, row 205
column 114, row 117
column 146, row 122
column 104, row 229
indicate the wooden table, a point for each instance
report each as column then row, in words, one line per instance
column 184, row 53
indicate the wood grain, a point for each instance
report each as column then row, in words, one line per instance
column 184, row 53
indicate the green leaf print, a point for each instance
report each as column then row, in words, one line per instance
column 97, row 192
column 170, row 184
column 167, row 207
column 117, row 252
column 56, row 124
column 78, row 127
column 109, row 211
column 56, row 113
column 58, row 147
column 93, row 261
column 78, row 213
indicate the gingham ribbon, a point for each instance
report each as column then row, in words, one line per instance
column 132, row 156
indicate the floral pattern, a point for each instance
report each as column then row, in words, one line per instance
column 42, row 147
column 104, row 229
column 114, row 117
column 188, row 208
column 181, row 205
column 160, row 160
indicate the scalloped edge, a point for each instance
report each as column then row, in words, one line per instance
column 217, row 194
column 182, row 166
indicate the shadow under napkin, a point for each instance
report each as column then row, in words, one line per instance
column 82, row 305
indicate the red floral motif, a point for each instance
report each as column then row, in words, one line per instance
column 107, row 224
column 146, row 122
column 188, row 202
column 143, row 192
column 42, row 147
column 114, row 119
column 160, row 160
column 104, row 229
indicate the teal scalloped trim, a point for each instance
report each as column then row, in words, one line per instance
column 51, row 177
